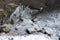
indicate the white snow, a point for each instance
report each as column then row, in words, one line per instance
column 29, row 37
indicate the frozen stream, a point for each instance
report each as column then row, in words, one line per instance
column 47, row 24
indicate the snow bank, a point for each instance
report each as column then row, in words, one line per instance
column 29, row 37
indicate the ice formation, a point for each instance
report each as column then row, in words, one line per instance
column 44, row 27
